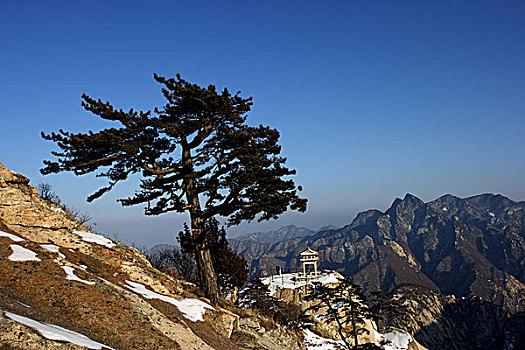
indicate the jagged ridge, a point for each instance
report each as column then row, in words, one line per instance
column 471, row 246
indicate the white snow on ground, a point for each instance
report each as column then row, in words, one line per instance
column 394, row 340
column 94, row 238
column 315, row 342
column 445, row 209
column 52, row 332
column 192, row 309
column 289, row 281
column 53, row 248
column 24, row 305
column 9, row 235
column 328, row 278
column 72, row 277
column 390, row 341
column 22, row 254
column 58, row 210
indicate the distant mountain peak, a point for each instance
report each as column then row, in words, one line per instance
column 328, row 227
column 448, row 196
column 410, row 196
column 460, row 246
column 409, row 202
column 283, row 233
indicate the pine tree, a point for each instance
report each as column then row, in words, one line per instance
column 345, row 306
column 195, row 154
column 384, row 309
column 231, row 269
column 257, row 295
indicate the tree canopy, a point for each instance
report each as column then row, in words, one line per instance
column 195, row 154
column 196, row 147
column 345, row 306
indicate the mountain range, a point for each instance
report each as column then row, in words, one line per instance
column 457, row 246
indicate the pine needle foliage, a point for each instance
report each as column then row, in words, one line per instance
column 345, row 306
column 195, row 154
column 231, row 269
column 256, row 295
column 198, row 137
column 385, row 309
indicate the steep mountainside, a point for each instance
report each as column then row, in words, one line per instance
column 472, row 246
column 282, row 234
column 62, row 287
column 441, row 321
column 253, row 245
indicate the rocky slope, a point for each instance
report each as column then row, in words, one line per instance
column 473, row 246
column 54, row 273
column 441, row 321
column 290, row 288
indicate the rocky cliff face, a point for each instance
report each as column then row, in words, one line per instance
column 467, row 257
column 54, row 273
column 472, row 246
column 441, row 321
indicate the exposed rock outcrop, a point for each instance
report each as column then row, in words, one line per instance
column 468, row 256
column 441, row 321
column 53, row 271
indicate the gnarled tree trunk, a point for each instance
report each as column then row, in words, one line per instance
column 207, row 274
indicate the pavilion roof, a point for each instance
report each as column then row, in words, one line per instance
column 309, row 251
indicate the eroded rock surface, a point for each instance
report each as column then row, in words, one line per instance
column 91, row 295
column 464, row 247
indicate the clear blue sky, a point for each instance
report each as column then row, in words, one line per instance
column 373, row 99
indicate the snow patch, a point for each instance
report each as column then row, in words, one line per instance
column 22, row 254
column 52, row 332
column 445, row 209
column 94, row 238
column 24, row 305
column 192, row 309
column 315, row 342
column 394, row 340
column 328, row 278
column 291, row 281
column 72, row 277
column 9, row 235
column 53, row 248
